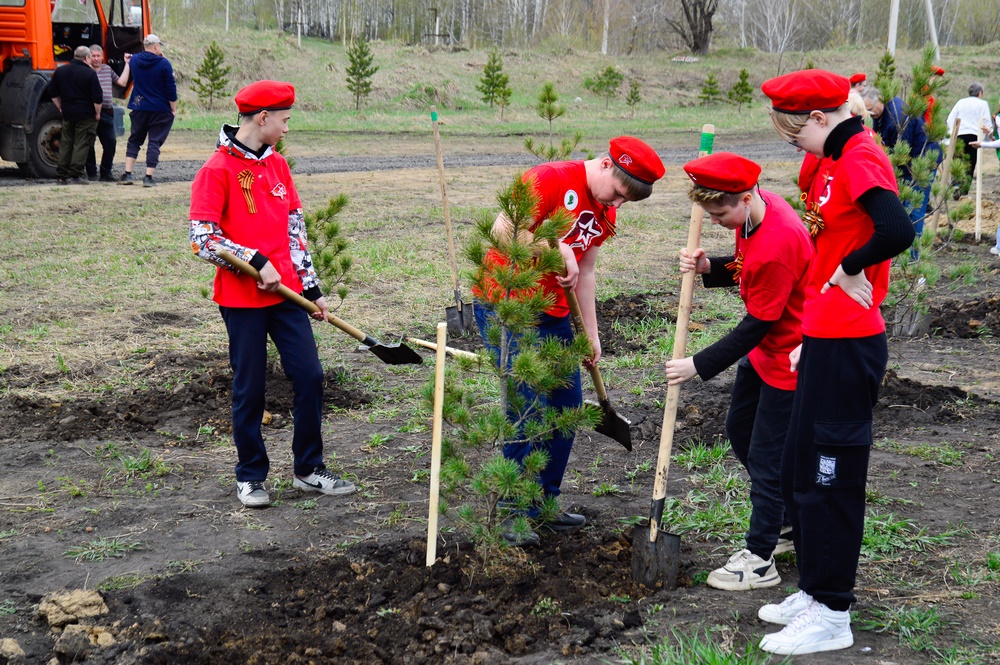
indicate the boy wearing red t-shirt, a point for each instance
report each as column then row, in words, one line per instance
column 591, row 191
column 858, row 225
column 244, row 200
column 769, row 267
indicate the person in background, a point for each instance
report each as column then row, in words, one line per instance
column 106, row 125
column 76, row 92
column 995, row 249
column 859, row 82
column 973, row 115
column 769, row 267
column 154, row 105
column 858, row 225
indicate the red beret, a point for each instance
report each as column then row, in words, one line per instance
column 807, row 90
column 858, row 78
column 937, row 71
column 637, row 159
column 723, row 171
column 265, row 96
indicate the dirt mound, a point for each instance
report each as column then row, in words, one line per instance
column 628, row 309
column 905, row 402
column 382, row 601
column 177, row 395
column 966, row 319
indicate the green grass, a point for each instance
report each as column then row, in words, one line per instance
column 887, row 535
column 101, row 549
column 700, row 646
column 699, row 454
column 915, row 626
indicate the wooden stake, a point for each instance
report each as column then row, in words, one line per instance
column 979, row 187
column 945, row 174
column 432, row 516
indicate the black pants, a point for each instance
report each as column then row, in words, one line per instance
column 106, row 135
column 825, row 466
column 289, row 326
column 972, row 154
column 151, row 124
column 757, row 426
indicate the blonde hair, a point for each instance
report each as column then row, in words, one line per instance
column 700, row 194
column 856, row 105
column 788, row 125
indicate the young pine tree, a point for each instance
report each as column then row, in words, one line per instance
column 494, row 82
column 360, row 69
column 606, row 84
column 549, row 108
column 634, row 96
column 211, row 75
column 741, row 92
column 710, row 90
column 486, row 501
column 328, row 249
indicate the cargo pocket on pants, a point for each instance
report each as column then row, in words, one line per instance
column 842, row 451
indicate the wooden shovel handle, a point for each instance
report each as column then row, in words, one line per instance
column 444, row 207
column 290, row 295
column 680, row 348
column 458, row 353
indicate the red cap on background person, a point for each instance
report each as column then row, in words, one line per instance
column 724, row 172
column 807, row 90
column 937, row 71
column 265, row 96
column 637, row 159
column 858, row 77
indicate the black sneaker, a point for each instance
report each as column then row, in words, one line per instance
column 126, row 179
column 148, row 181
column 514, row 538
column 566, row 522
column 79, row 181
column 92, row 177
column 107, row 178
column 252, row 494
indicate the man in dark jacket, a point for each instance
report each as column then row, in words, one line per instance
column 153, row 104
column 76, row 92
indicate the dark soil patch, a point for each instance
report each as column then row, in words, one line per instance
column 629, row 309
column 178, row 395
column 966, row 319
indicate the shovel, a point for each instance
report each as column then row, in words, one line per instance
column 460, row 318
column 656, row 555
column 612, row 425
column 391, row 354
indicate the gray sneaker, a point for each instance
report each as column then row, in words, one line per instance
column 252, row 494
column 785, row 543
column 126, row 178
column 147, row 181
column 325, row 482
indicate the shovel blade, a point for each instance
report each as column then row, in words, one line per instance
column 614, row 426
column 655, row 565
column 460, row 322
column 396, row 354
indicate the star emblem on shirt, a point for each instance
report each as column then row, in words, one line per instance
column 586, row 229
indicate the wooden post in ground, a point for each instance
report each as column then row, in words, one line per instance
column 979, row 187
column 945, row 174
column 432, row 516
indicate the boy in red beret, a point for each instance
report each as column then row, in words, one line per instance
column 243, row 200
column 769, row 267
column 859, row 82
column 591, row 191
column 858, row 224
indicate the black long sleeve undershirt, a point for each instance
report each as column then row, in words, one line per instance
column 740, row 341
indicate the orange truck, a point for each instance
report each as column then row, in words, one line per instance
column 36, row 36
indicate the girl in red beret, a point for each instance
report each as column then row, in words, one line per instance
column 243, row 200
column 591, row 191
column 858, row 224
column 769, row 267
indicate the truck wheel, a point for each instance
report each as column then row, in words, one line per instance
column 43, row 143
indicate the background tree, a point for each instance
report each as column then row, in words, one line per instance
column 634, row 96
column 741, row 93
column 548, row 106
column 503, row 98
column 211, row 79
column 694, row 26
column 605, row 84
column 494, row 81
column 710, row 90
column 360, row 69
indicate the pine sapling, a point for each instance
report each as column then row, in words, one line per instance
column 710, row 90
column 328, row 249
column 634, row 96
column 211, row 79
column 360, row 70
column 741, row 92
column 605, row 84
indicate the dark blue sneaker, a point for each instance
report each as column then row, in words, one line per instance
column 566, row 522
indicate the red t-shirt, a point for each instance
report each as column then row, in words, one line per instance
column 846, row 227
column 564, row 185
column 250, row 199
column 774, row 267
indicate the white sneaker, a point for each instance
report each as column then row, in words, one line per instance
column 994, row 250
column 817, row 628
column 325, row 482
column 785, row 543
column 788, row 609
column 745, row 571
column 252, row 494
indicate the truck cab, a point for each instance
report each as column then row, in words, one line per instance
column 36, row 36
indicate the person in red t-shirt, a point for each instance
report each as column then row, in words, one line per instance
column 769, row 266
column 858, row 224
column 591, row 191
column 244, row 200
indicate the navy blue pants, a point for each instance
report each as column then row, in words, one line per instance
column 825, row 466
column 154, row 125
column 289, row 327
column 757, row 426
column 559, row 445
column 106, row 135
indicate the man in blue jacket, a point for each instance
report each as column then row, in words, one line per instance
column 154, row 105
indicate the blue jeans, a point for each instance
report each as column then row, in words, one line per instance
column 559, row 445
column 289, row 327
